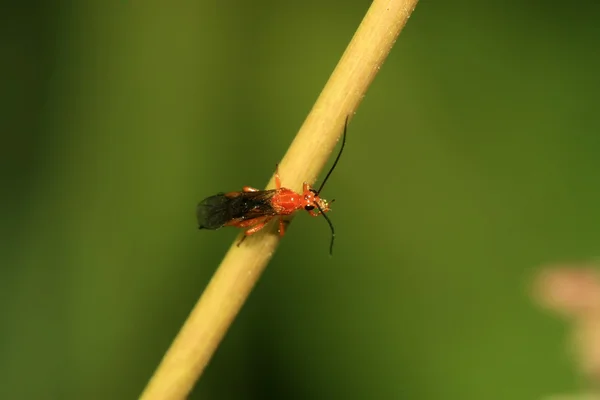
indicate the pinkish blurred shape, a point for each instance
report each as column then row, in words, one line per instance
column 569, row 290
column 573, row 291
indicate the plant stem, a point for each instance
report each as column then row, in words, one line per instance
column 242, row 266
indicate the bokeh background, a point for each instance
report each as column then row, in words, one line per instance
column 472, row 160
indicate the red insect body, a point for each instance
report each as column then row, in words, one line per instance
column 252, row 209
column 283, row 202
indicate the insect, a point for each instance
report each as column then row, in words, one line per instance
column 252, row 208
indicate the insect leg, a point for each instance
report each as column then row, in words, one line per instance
column 241, row 240
column 258, row 226
column 281, row 227
column 255, row 224
column 250, row 222
column 314, row 213
column 277, row 178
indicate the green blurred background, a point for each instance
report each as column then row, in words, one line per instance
column 472, row 160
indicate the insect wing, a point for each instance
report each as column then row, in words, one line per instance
column 228, row 208
column 212, row 212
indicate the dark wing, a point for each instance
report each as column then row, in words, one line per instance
column 216, row 211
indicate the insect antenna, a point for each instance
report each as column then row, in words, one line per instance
column 338, row 156
column 330, row 225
